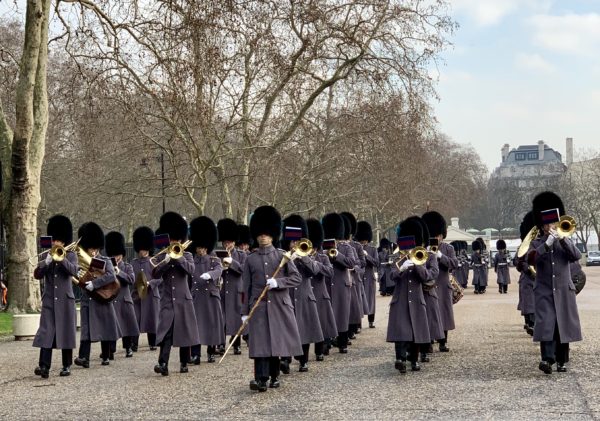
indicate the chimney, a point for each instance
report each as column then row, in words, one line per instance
column 569, row 151
column 454, row 222
column 541, row 150
column 505, row 150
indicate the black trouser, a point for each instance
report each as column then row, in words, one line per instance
column 303, row 359
column 85, row 348
column 196, row 350
column 353, row 328
column 442, row 342
column 555, row 351
column 424, row 348
column 371, row 318
column 165, row 349
column 265, row 367
column 530, row 319
column 46, row 357
column 406, row 349
column 503, row 288
column 135, row 340
column 342, row 340
column 238, row 341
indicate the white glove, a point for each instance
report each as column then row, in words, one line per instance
column 205, row 276
column 244, row 318
column 438, row 254
column 272, row 283
column 48, row 259
column 406, row 265
column 550, row 240
column 89, row 286
column 365, row 252
column 167, row 258
column 227, row 260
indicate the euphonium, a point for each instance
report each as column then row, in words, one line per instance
column 566, row 226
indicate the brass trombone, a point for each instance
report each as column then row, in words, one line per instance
column 566, row 226
column 418, row 256
column 174, row 250
column 57, row 252
column 303, row 247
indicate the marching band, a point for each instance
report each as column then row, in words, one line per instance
column 316, row 289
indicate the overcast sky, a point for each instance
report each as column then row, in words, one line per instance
column 522, row 71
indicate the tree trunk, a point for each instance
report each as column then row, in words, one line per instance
column 27, row 156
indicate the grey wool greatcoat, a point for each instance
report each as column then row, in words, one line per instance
column 446, row 263
column 305, row 302
column 461, row 271
column 146, row 310
column 408, row 313
column 501, row 268
column 385, row 280
column 319, row 281
column 356, row 304
column 231, row 292
column 359, row 276
column 554, row 291
column 341, row 286
column 430, row 292
column 123, row 303
column 99, row 320
column 479, row 275
column 207, row 300
column 176, row 302
column 369, row 280
column 273, row 331
column 58, row 318
column 526, row 281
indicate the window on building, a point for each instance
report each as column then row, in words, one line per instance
column 532, row 155
column 520, row 156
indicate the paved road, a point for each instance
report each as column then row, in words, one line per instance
column 490, row 373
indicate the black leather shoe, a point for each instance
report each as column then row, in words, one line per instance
column 424, row 358
column 211, row 358
column 371, row 325
column 42, row 371
column 161, row 369
column 358, row 330
column 560, row 367
column 134, row 348
column 183, row 368
column 111, row 356
column 326, row 351
column 319, row 358
column 152, row 348
column 303, row 368
column 444, row 348
column 221, row 349
column 66, row 371
column 259, row 385
column 105, row 362
column 195, row 360
column 37, row 371
column 236, row 350
column 129, row 353
column 349, row 343
column 343, row 350
column 525, row 327
column 284, row 366
column 415, row 366
column 400, row 366
column 529, row 331
column 82, row 362
column 546, row 367
column 274, row 383
column 351, row 336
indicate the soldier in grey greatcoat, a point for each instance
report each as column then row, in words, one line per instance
column 123, row 303
column 386, row 286
column 205, row 288
column 407, row 326
column 146, row 309
column 478, row 265
column 526, row 279
column 303, row 298
column 556, row 315
column 501, row 260
column 58, row 319
column 98, row 319
column 360, row 307
column 177, row 318
column 319, row 281
column 273, row 332
column 231, row 291
column 447, row 262
column 364, row 235
column 340, row 284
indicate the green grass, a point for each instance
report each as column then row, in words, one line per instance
column 5, row 323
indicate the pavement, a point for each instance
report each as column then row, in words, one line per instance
column 490, row 373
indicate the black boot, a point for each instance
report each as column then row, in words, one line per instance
column 424, row 358
column 275, row 383
column 128, row 353
column 183, row 368
column 195, row 360
column 414, row 366
column 42, row 371
column 284, row 366
column 303, row 368
column 105, row 362
column 400, row 366
column 161, row 369
column 546, row 367
column 560, row 368
column 66, row 371
column 237, row 350
column 82, row 362
column 258, row 385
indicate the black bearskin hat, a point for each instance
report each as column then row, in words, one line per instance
column 411, row 226
column 384, row 243
column 228, row 229
column 347, row 227
column 203, row 233
column 526, row 225
column 333, row 226
column 173, row 224
column 424, row 228
column 266, row 220
column 60, row 229
column 436, row 223
column 294, row 221
column 500, row 245
column 143, row 239
column 315, row 232
column 483, row 246
column 91, row 236
column 114, row 244
column 352, row 219
column 476, row 245
column 364, row 232
column 544, row 201
column 244, row 236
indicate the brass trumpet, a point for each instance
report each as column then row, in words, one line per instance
column 566, row 226
column 175, row 250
